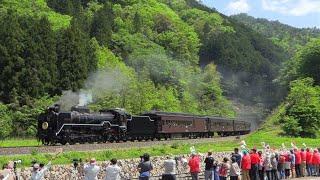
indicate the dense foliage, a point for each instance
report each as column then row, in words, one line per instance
column 139, row 55
column 302, row 110
column 35, row 60
column 247, row 61
column 299, row 115
column 306, row 63
column 288, row 37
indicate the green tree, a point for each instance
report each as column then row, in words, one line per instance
column 5, row 121
column 306, row 63
column 137, row 22
column 102, row 24
column 73, row 58
column 310, row 61
column 11, row 50
column 302, row 113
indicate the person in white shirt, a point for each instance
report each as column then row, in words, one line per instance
column 113, row 170
column 169, row 169
column 38, row 172
column 91, row 170
column 8, row 171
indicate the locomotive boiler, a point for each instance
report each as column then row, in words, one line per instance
column 79, row 125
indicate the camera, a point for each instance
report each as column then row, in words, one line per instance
column 33, row 162
column 17, row 161
column 76, row 162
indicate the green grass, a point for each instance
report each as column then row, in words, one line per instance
column 159, row 150
column 19, row 142
column 252, row 140
column 275, row 141
column 272, row 134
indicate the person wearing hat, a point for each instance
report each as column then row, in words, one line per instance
column 194, row 165
column 38, row 172
column 169, row 168
column 91, row 170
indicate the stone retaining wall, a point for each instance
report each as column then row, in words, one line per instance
column 129, row 169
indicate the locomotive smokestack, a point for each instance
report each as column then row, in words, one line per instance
column 85, row 98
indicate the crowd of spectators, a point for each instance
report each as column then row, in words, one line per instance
column 245, row 164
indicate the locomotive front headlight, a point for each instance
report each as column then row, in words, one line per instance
column 45, row 125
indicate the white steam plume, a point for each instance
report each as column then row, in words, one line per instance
column 97, row 85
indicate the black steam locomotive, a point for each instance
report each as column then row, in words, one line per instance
column 80, row 126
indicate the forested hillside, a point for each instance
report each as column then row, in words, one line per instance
column 248, row 61
column 299, row 114
column 288, row 37
column 138, row 55
column 141, row 55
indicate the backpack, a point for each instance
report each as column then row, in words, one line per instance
column 223, row 171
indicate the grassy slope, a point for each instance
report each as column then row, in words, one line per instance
column 271, row 133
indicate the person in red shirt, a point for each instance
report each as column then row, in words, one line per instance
column 309, row 161
column 303, row 162
column 297, row 165
column 255, row 160
column 194, row 165
column 245, row 166
column 316, row 162
column 282, row 161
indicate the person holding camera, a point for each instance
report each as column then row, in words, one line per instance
column 145, row 167
column 113, row 170
column 169, row 168
column 91, row 170
column 8, row 172
column 39, row 171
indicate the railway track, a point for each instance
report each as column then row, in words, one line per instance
column 106, row 146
